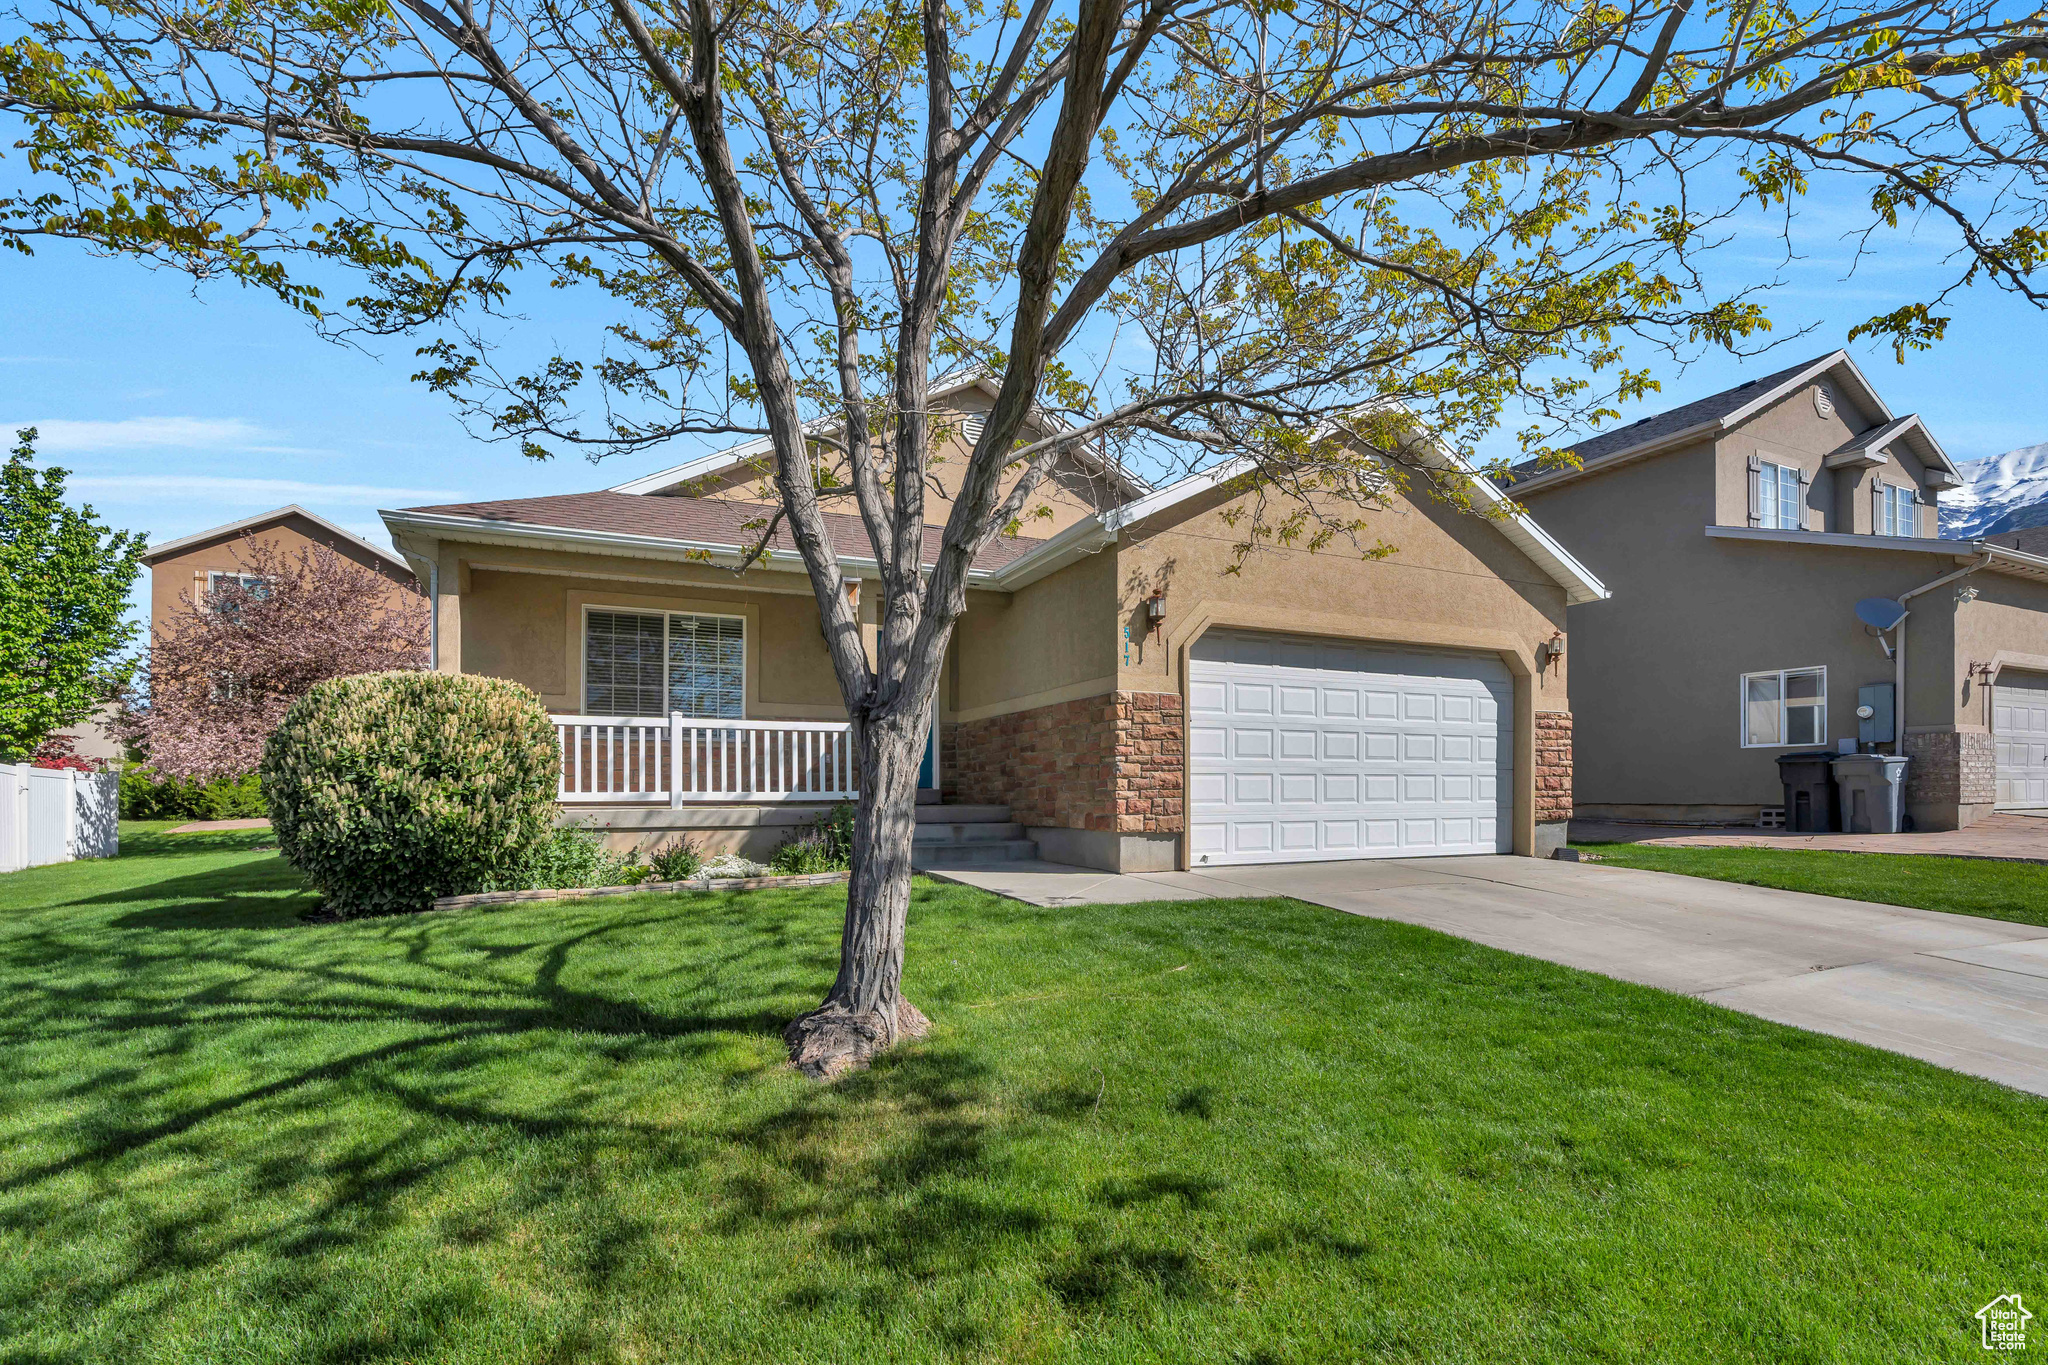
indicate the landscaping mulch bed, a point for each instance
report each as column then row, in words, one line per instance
column 580, row 892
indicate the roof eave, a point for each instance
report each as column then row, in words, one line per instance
column 673, row 548
column 156, row 552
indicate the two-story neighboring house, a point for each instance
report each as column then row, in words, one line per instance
column 1739, row 533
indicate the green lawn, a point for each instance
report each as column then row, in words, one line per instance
column 1242, row 1131
column 1993, row 888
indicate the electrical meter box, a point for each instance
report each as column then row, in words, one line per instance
column 1874, row 724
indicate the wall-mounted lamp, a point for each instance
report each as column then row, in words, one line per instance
column 1155, row 611
column 1552, row 649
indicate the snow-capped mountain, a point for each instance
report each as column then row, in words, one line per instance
column 2003, row 493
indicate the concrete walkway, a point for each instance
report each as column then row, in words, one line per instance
column 1961, row 992
column 2019, row 836
column 213, row 826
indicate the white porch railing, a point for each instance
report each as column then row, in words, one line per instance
column 681, row 759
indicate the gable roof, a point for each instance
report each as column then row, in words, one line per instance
column 960, row 381
column 1719, row 413
column 665, row 528
column 271, row 518
column 1086, row 537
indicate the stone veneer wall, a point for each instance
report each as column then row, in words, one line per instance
column 1948, row 768
column 1553, row 766
column 1111, row 762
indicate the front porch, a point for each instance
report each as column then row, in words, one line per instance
column 745, row 786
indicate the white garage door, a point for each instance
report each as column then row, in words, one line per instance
column 1304, row 749
column 2019, row 726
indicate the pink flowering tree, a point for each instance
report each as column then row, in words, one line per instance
column 225, row 667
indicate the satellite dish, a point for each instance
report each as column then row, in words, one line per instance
column 1880, row 613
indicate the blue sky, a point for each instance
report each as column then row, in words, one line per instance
column 178, row 411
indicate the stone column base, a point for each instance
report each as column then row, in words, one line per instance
column 1952, row 780
column 1550, row 837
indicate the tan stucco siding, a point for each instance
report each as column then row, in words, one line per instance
column 2006, row 626
column 1792, row 432
column 179, row 578
column 521, row 615
column 1453, row 580
column 1051, row 641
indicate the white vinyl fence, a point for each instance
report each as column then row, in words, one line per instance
column 53, row 815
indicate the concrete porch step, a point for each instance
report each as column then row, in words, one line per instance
column 964, row 834
column 963, row 815
column 973, row 854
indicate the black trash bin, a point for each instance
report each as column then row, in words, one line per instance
column 1809, row 791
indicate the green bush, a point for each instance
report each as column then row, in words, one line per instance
column 824, row 845
column 676, row 862
column 390, row 789
column 578, row 857
column 147, row 796
column 565, row 857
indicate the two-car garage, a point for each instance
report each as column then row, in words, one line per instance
column 1304, row 749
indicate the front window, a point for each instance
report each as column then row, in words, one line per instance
column 654, row 663
column 1787, row 707
column 1900, row 514
column 1778, row 496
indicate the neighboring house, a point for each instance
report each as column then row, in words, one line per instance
column 190, row 567
column 1741, row 531
column 1132, row 704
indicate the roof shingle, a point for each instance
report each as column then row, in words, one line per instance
column 1711, row 408
column 704, row 521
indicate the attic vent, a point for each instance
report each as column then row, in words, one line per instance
column 1823, row 401
column 971, row 429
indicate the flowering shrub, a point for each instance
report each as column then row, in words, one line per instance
column 389, row 789
column 225, row 667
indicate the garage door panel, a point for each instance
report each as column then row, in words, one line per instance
column 2019, row 727
column 1333, row 750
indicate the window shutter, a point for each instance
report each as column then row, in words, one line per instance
column 1877, row 507
column 1756, row 501
column 1805, row 487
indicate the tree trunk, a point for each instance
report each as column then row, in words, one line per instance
column 865, row 1012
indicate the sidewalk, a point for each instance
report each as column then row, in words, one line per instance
column 2009, row 835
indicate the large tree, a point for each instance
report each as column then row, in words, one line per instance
column 64, row 581
column 1289, row 235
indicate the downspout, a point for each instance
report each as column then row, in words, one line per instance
column 1899, row 646
column 434, row 614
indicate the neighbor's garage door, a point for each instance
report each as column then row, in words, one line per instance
column 1311, row 749
column 2019, row 725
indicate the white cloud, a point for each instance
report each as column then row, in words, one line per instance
column 237, row 492
column 61, row 437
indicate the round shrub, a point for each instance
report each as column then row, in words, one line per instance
column 389, row 789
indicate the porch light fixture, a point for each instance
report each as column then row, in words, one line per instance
column 1155, row 611
column 1552, row 649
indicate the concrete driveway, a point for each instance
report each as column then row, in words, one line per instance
column 1966, row 993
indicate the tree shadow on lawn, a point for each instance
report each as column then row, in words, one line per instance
column 356, row 1095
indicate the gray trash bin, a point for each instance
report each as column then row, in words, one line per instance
column 1809, row 791
column 1873, row 792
